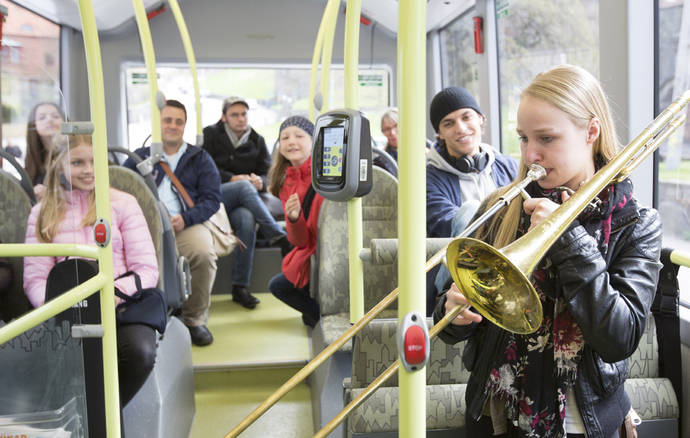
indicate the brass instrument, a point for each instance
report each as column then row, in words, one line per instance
column 496, row 282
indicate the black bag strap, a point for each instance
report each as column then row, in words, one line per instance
column 666, row 317
column 307, row 201
column 137, row 281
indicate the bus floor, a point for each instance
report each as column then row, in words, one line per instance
column 254, row 352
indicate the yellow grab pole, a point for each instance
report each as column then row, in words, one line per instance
column 191, row 59
column 412, row 199
column 354, row 206
column 327, row 53
column 150, row 60
column 680, row 258
column 105, row 254
column 318, row 49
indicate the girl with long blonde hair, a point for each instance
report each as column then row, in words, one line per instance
column 66, row 214
column 596, row 283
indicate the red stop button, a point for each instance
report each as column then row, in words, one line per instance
column 100, row 234
column 415, row 345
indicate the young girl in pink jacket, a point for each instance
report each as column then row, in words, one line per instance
column 66, row 214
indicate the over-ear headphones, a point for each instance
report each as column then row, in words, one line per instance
column 476, row 163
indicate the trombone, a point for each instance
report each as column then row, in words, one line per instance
column 496, row 281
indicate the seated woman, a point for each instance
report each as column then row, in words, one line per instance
column 389, row 128
column 290, row 180
column 44, row 124
column 596, row 283
column 66, row 214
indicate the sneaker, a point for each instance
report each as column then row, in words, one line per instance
column 241, row 295
column 200, row 335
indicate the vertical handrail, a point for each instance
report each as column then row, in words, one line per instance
column 412, row 200
column 355, row 234
column 191, row 60
column 102, row 194
column 150, row 60
column 318, row 51
column 327, row 53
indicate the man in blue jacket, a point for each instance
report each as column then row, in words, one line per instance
column 461, row 171
column 198, row 175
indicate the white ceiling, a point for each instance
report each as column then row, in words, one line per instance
column 111, row 14
column 438, row 12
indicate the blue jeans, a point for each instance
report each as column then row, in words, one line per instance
column 461, row 220
column 246, row 209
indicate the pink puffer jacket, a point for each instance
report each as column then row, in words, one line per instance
column 132, row 245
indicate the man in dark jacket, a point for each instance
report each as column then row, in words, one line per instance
column 242, row 159
column 460, row 167
column 461, row 171
column 197, row 174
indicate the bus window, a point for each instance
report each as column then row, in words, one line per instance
column 534, row 36
column 30, row 72
column 273, row 93
column 458, row 60
column 673, row 199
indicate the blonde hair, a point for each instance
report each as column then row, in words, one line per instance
column 577, row 93
column 276, row 173
column 52, row 209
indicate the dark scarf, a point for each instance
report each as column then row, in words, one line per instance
column 535, row 371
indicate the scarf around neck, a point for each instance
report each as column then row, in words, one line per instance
column 532, row 375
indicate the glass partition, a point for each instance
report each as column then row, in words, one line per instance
column 43, row 374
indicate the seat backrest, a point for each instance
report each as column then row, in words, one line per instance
column 380, row 220
column 15, row 207
column 374, row 350
column 644, row 362
column 128, row 181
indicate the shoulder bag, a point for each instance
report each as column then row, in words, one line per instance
column 219, row 225
column 146, row 306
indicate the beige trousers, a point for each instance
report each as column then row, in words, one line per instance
column 195, row 243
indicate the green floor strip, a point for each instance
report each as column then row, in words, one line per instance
column 223, row 399
column 272, row 335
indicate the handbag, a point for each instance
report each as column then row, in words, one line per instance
column 146, row 306
column 218, row 224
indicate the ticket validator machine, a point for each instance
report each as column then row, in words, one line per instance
column 341, row 155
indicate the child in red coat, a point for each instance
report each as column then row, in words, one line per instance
column 290, row 179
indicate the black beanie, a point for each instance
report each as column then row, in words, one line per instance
column 448, row 100
column 301, row 122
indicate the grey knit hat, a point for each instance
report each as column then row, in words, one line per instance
column 448, row 100
column 301, row 122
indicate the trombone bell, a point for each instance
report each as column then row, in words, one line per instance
column 496, row 287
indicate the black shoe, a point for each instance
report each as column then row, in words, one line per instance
column 241, row 295
column 200, row 335
column 309, row 321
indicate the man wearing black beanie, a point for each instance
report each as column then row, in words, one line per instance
column 461, row 170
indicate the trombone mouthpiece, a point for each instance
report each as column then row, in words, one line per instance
column 536, row 172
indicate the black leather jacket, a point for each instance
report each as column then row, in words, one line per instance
column 609, row 289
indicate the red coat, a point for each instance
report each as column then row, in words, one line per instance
column 302, row 234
